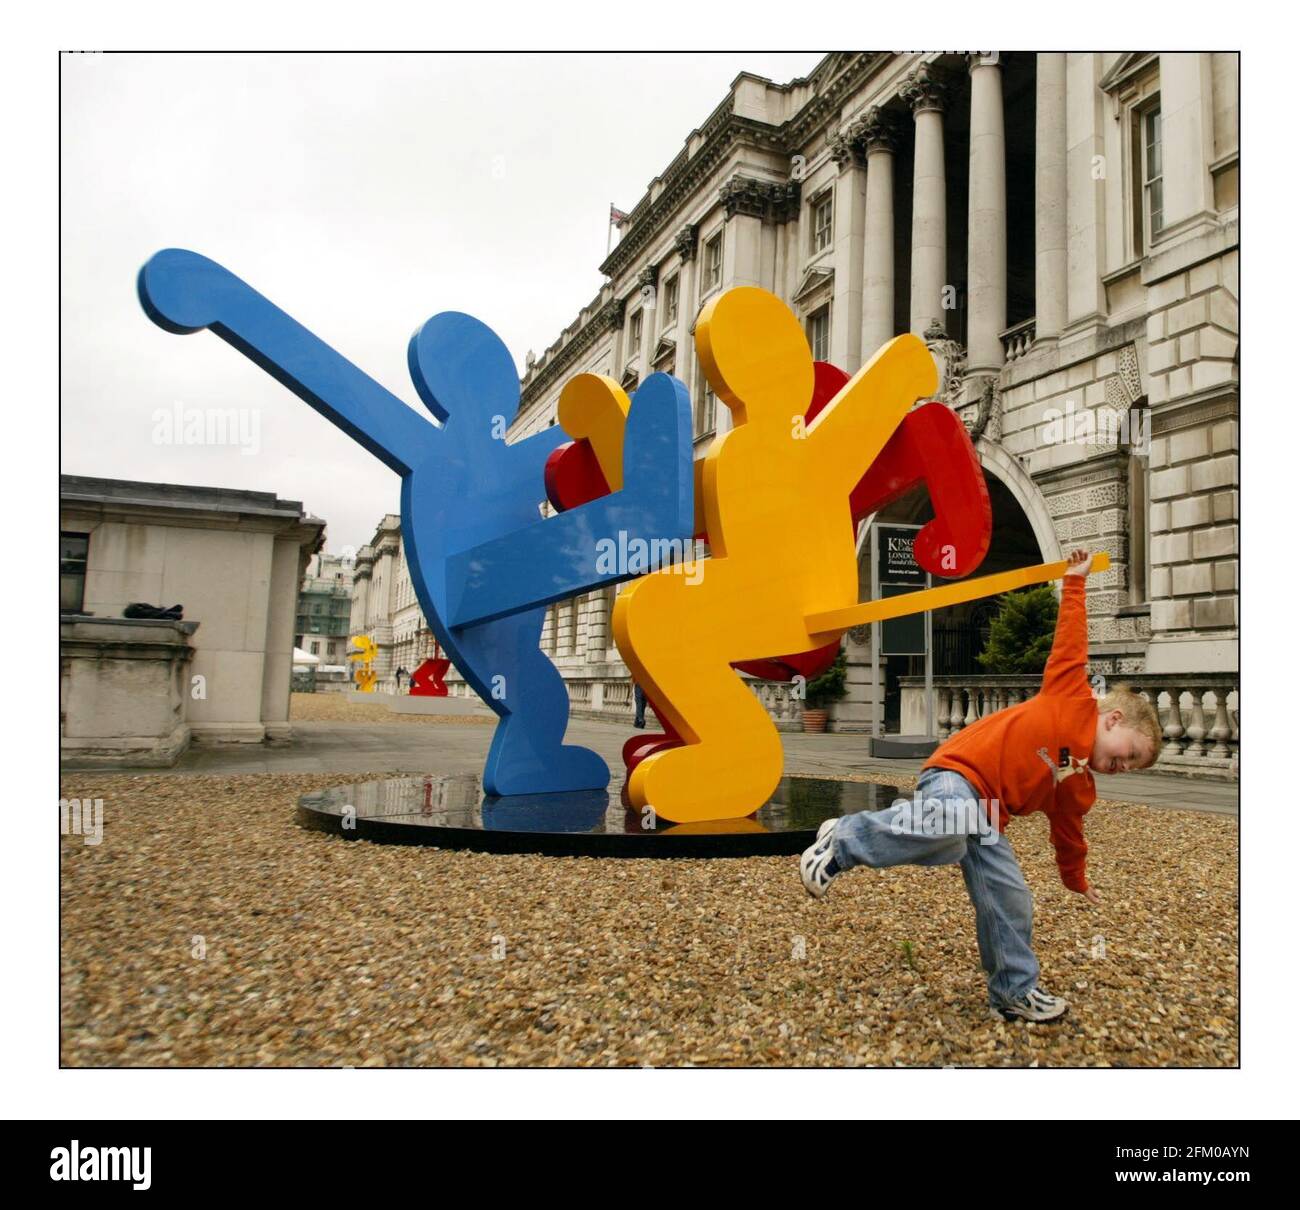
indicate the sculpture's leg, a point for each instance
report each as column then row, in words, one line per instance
column 673, row 635
column 528, row 754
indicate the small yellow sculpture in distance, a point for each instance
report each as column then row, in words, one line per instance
column 776, row 507
column 364, row 657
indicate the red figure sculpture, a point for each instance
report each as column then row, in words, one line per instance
column 427, row 681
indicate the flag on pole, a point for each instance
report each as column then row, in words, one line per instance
column 616, row 219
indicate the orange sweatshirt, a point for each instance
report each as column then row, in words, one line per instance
column 1034, row 756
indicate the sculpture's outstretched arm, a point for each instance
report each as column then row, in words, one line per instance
column 184, row 292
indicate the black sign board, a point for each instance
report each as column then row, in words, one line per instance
column 905, row 635
column 898, row 572
column 895, row 562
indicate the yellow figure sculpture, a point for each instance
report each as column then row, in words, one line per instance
column 775, row 496
column 364, row 657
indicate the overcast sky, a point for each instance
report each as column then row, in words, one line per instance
column 361, row 193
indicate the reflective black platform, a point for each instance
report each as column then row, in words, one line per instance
column 453, row 813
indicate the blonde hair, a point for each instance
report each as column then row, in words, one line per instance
column 1138, row 713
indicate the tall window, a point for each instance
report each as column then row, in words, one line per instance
column 705, row 406
column 73, row 549
column 1147, row 166
column 1153, row 173
column 819, row 334
column 670, row 300
column 634, row 334
column 713, row 264
column 823, row 218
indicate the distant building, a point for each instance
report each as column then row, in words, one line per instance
column 135, row 691
column 325, row 608
column 384, row 605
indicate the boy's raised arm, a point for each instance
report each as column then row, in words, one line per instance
column 1066, row 674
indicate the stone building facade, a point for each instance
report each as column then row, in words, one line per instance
column 384, row 606
column 1061, row 229
column 136, row 691
column 325, row 608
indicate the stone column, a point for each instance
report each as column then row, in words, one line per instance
column 850, row 231
column 1187, row 139
column 925, row 93
column 1085, row 194
column 617, row 311
column 881, row 138
column 1049, row 196
column 986, row 277
column 746, row 202
column 647, row 283
column 686, row 244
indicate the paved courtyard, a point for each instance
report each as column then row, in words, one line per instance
column 333, row 734
column 209, row 929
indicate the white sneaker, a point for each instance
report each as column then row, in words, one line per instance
column 815, row 859
column 1036, row 1005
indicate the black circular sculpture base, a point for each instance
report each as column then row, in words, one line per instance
column 453, row 813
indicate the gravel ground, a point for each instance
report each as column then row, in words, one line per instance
column 335, row 708
column 209, row 929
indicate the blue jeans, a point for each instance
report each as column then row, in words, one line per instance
column 945, row 823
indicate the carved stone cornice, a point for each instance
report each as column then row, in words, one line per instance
column 984, row 58
column 844, row 76
column 1220, row 403
column 846, row 148
column 648, row 277
column 608, row 319
column 880, row 130
column 770, row 201
column 847, row 77
column 687, row 241
column 951, row 356
column 925, row 89
column 1108, row 467
column 743, row 195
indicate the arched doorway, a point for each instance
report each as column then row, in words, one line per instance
column 960, row 631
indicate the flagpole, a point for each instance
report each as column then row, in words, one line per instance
column 609, row 230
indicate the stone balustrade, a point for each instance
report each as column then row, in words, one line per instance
column 610, row 698
column 1198, row 711
column 1017, row 340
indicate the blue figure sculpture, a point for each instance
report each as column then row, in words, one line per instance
column 484, row 564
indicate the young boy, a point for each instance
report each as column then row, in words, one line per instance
column 1037, row 756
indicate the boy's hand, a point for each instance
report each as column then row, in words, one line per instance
column 1080, row 563
column 1092, row 896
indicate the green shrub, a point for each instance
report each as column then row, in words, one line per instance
column 829, row 687
column 1020, row 636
